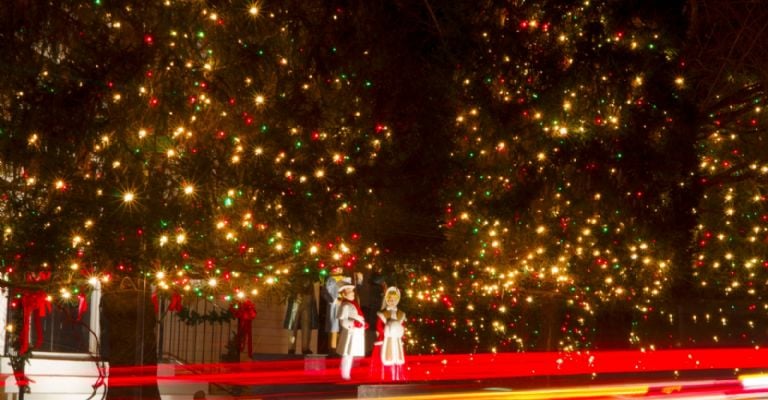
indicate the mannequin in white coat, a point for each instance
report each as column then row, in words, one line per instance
column 352, row 323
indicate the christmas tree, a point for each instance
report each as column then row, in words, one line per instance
column 586, row 161
column 206, row 149
column 597, row 172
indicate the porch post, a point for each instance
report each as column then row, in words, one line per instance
column 95, row 321
column 3, row 318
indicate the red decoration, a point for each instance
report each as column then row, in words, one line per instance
column 33, row 303
column 175, row 304
column 245, row 312
column 82, row 306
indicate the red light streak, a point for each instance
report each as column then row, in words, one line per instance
column 455, row 367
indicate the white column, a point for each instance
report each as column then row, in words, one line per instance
column 3, row 314
column 95, row 323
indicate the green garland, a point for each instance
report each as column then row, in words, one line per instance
column 192, row 317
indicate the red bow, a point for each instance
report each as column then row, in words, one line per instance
column 37, row 303
column 245, row 312
column 39, row 276
column 175, row 304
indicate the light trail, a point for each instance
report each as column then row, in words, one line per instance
column 445, row 371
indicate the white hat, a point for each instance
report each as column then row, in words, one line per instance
column 345, row 283
column 391, row 291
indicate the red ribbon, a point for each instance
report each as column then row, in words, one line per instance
column 33, row 303
column 175, row 304
column 154, row 303
column 39, row 276
column 82, row 307
column 245, row 314
column 22, row 379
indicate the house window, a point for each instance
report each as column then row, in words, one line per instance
column 62, row 332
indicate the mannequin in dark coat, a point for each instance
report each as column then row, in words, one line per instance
column 301, row 315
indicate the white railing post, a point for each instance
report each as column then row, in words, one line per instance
column 95, row 321
column 3, row 315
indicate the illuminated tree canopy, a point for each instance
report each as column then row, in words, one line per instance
column 600, row 163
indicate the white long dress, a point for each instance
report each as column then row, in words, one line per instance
column 392, row 344
column 351, row 337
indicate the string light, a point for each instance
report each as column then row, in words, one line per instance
column 182, row 166
column 260, row 177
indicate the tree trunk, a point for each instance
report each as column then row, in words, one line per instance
column 613, row 325
column 685, row 199
column 129, row 344
column 551, row 314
